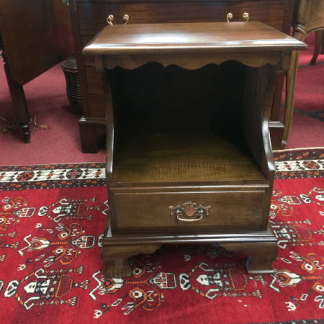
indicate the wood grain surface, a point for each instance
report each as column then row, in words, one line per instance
column 190, row 38
column 228, row 209
column 183, row 157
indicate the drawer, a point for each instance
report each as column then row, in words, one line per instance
column 228, row 210
column 93, row 16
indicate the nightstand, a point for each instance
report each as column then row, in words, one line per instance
column 200, row 169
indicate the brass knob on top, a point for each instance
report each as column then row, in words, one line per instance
column 126, row 19
column 229, row 17
column 246, row 16
column 110, row 19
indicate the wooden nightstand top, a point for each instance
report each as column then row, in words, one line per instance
column 190, row 37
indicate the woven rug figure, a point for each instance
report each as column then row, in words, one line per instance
column 52, row 220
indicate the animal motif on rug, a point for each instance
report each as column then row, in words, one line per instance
column 316, row 196
column 11, row 210
column 66, row 245
column 281, row 205
column 142, row 290
column 312, row 270
column 69, row 209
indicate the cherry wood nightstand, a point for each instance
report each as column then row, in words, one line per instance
column 198, row 170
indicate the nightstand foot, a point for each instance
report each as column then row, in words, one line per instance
column 118, row 268
column 261, row 256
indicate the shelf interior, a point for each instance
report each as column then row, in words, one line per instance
column 174, row 126
column 151, row 157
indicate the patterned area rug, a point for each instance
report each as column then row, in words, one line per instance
column 51, row 223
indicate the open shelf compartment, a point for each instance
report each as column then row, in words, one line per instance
column 183, row 158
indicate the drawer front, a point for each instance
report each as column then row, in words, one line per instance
column 228, row 209
column 93, row 16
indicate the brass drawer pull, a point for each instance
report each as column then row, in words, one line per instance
column 189, row 210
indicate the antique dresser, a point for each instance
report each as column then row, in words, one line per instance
column 189, row 157
column 89, row 16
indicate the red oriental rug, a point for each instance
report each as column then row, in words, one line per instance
column 51, row 223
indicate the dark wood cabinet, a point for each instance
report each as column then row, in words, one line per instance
column 36, row 35
column 89, row 16
column 189, row 157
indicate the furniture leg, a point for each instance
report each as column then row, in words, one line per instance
column 88, row 137
column 116, row 257
column 318, row 44
column 19, row 103
column 290, row 93
column 276, row 132
column 276, row 127
column 261, row 255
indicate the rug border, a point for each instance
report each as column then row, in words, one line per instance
column 84, row 163
column 290, row 164
column 299, row 149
